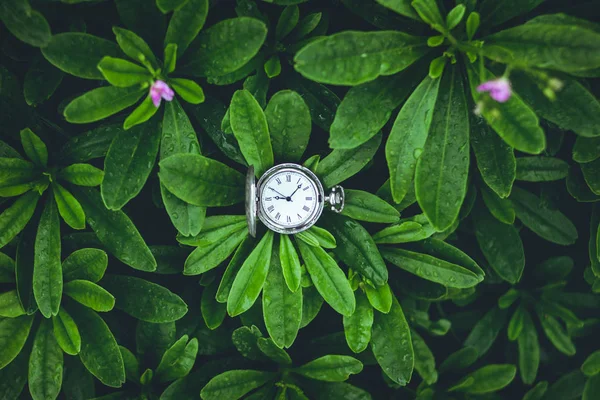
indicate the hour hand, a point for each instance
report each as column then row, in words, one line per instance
column 298, row 188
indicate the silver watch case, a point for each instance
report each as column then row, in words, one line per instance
column 252, row 199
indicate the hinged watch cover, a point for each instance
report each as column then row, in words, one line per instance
column 251, row 201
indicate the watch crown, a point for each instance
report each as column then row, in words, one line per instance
column 336, row 199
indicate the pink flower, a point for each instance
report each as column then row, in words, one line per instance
column 499, row 89
column 160, row 89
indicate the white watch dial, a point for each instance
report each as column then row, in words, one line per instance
column 289, row 198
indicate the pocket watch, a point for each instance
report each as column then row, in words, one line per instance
column 288, row 198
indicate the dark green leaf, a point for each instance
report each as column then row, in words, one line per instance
column 403, row 232
column 424, row 359
column 82, row 175
column 591, row 175
column 251, row 130
column 201, row 181
column 328, row 278
column 408, row 136
column 26, row 24
column 529, row 350
column 557, row 335
column 541, row 169
column 14, row 376
column 495, row 12
column 135, row 47
column 99, row 350
column 586, row 150
column 392, row 346
column 549, row 224
column 178, row 360
column 357, row 327
column 68, row 207
column 442, row 170
column 356, row 248
column 17, row 176
column 501, row 209
column 489, row 379
column 287, row 21
column 282, row 308
column 321, row 101
column 13, row 334
column 352, row 57
column 128, row 164
column 270, row 349
column 312, row 302
column 331, row 368
column 79, row 53
column 7, row 269
column 570, row 386
column 592, row 385
column 591, row 365
column 486, row 330
column 459, row 360
column 227, row 46
column 100, row 103
column 10, row 306
column 34, row 148
column 88, row 264
column 145, row 300
column 186, row 23
column 14, row 219
column 213, row 312
column 364, row 206
column 47, row 271
column 289, row 122
column 66, row 332
column 251, row 277
column 340, row 165
column 90, row 295
column 234, row 384
column 116, row 231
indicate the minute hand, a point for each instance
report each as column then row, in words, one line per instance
column 277, row 192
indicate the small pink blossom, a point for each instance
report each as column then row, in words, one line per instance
column 499, row 89
column 160, row 90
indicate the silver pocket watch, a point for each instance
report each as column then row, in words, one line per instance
column 288, row 198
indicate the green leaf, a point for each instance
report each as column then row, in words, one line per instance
column 212, row 311
column 47, row 270
column 186, row 23
column 515, row 325
column 331, row 368
column 245, row 341
column 166, row 6
column 170, row 58
column 287, row 21
column 486, row 330
column 586, row 150
column 270, row 349
column 24, row 264
column 226, row 46
column 424, row 359
column 87, row 264
column 17, row 177
column 473, row 23
column 144, row 300
column 251, row 277
column 402, row 7
column 443, row 168
column 272, row 67
column 352, row 57
column 430, row 13
column 251, row 130
column 100, row 103
column 66, row 333
column 356, row 248
column 321, row 101
column 209, row 256
column 234, row 384
column 437, row 66
column 14, row 376
column 201, row 181
column 323, row 236
column 99, row 350
column 311, row 305
column 68, row 207
column 514, row 121
column 290, row 263
column 455, row 16
column 380, row 298
column 134, row 47
column 132, row 365
column 7, row 269
column 178, row 360
column 408, row 136
column 366, row 108
column 364, row 206
column 329, row 279
column 568, row 386
column 189, row 90
column 489, row 379
column 290, row 125
column 79, row 53
column 45, row 364
column 557, row 334
column 591, row 365
column 357, row 327
column 554, row 269
column 90, row 295
column 14, row 219
column 34, row 148
column 26, row 24
column 116, row 231
column 308, row 238
column 501, row 209
column 549, row 224
column 546, row 44
column 91, row 144
column 494, row 12
column 529, row 350
column 282, row 308
column 306, row 25
column 10, row 306
column 538, row 391
column 142, row 113
column 215, row 230
column 403, row 232
column 82, row 175
column 431, row 268
column 13, row 335
column 578, row 187
column 541, row 169
column 591, row 175
column 392, row 346
column 123, row 73
column 501, row 245
column 459, row 360
column 340, row 165
column 128, row 164
column 592, row 385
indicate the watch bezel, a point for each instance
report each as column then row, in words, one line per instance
column 320, row 200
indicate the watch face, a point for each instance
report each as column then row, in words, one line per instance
column 289, row 199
